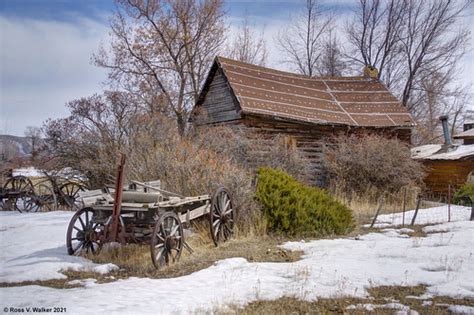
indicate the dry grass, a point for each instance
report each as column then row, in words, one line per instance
column 135, row 260
column 379, row 296
column 364, row 206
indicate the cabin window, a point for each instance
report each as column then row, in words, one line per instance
column 290, row 143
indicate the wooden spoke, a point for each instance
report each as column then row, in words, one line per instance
column 167, row 237
column 83, row 234
column 69, row 195
column 221, row 216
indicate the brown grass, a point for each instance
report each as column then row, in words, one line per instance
column 135, row 260
column 379, row 296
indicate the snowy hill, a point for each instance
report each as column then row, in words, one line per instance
column 19, row 146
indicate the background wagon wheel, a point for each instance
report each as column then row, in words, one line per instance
column 22, row 189
column 83, row 234
column 45, row 198
column 69, row 195
column 167, row 240
column 221, row 216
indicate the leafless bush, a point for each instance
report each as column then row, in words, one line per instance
column 371, row 163
column 210, row 157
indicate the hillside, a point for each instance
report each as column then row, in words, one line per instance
column 11, row 146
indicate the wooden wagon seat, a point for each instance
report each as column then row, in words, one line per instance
column 140, row 197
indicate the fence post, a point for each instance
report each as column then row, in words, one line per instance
column 404, row 204
column 418, row 202
column 378, row 211
column 449, row 203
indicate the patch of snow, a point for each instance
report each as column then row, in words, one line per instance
column 32, row 246
column 27, row 172
column 425, row 216
column 101, row 269
column 84, row 282
column 429, row 152
column 461, row 309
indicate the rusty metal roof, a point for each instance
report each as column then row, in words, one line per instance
column 354, row 101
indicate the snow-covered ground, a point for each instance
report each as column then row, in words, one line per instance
column 32, row 247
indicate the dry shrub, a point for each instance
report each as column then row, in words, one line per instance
column 370, row 165
column 209, row 157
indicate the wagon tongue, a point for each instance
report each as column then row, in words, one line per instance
column 118, row 199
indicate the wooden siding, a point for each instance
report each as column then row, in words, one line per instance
column 219, row 104
column 442, row 173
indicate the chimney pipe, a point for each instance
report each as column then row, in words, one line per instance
column 447, row 137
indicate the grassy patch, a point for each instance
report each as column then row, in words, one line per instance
column 135, row 260
column 408, row 296
column 54, row 283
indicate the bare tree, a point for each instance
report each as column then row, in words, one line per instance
column 416, row 46
column 97, row 128
column 161, row 49
column 408, row 41
column 301, row 43
column 332, row 61
column 248, row 46
column 34, row 137
column 433, row 42
column 374, row 36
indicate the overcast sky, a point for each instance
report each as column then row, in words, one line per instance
column 46, row 46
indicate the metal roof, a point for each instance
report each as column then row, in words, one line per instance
column 468, row 134
column 354, row 101
column 439, row 152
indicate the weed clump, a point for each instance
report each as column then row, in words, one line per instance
column 463, row 192
column 293, row 208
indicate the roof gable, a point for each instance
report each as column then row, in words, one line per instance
column 354, row 101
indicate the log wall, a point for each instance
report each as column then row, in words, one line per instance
column 441, row 173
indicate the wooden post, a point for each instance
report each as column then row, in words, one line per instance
column 418, row 202
column 378, row 211
column 449, row 203
column 118, row 199
column 472, row 207
column 404, row 204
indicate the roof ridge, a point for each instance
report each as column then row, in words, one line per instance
column 292, row 74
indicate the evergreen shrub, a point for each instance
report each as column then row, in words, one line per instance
column 293, row 208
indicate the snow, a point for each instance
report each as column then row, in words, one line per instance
column 429, row 152
column 425, row 216
column 32, row 247
column 461, row 309
column 465, row 134
column 28, row 172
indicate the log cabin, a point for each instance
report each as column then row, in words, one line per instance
column 448, row 165
column 308, row 111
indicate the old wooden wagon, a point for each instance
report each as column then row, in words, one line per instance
column 307, row 111
column 49, row 192
column 146, row 214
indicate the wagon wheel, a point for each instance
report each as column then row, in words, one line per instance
column 221, row 216
column 69, row 195
column 167, row 240
column 83, row 234
column 44, row 200
column 23, row 190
